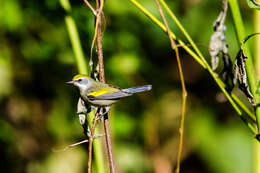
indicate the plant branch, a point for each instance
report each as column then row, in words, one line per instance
column 202, row 61
column 102, row 79
column 178, row 23
column 240, row 30
column 90, row 7
column 82, row 68
column 70, row 146
column 99, row 40
column 97, row 37
column 109, row 144
column 162, row 26
column 256, row 144
column 95, row 33
column 249, row 113
column 184, row 91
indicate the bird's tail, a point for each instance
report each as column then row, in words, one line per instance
column 138, row 89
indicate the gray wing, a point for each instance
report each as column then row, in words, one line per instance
column 110, row 96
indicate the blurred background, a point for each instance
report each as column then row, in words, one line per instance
column 38, row 110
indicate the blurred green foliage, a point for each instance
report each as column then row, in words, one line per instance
column 39, row 110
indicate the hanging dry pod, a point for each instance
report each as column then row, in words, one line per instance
column 241, row 75
column 218, row 47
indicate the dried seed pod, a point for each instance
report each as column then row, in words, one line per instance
column 241, row 75
column 218, row 40
column 218, row 47
column 215, row 48
column 240, row 71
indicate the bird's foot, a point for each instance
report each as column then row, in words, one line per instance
column 105, row 110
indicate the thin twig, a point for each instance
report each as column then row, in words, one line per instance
column 109, row 144
column 99, row 41
column 91, row 142
column 92, row 45
column 225, row 8
column 90, row 7
column 102, row 79
column 70, row 146
column 97, row 13
column 184, row 92
column 95, row 33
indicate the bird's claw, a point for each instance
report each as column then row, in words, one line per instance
column 98, row 135
column 100, row 117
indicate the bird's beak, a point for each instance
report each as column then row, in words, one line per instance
column 70, row 82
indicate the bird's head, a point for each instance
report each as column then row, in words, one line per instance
column 81, row 81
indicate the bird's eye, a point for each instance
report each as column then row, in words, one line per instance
column 79, row 80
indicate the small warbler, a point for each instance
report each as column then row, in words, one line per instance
column 101, row 94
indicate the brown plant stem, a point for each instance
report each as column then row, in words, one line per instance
column 184, row 91
column 98, row 39
column 109, row 144
column 102, row 79
column 90, row 7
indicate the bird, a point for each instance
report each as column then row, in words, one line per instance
column 100, row 94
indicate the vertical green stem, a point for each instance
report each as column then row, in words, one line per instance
column 82, row 68
column 257, row 42
column 74, row 38
column 256, row 156
column 241, row 35
column 256, row 145
column 240, row 30
column 97, row 146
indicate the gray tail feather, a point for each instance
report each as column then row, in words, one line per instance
column 138, row 89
